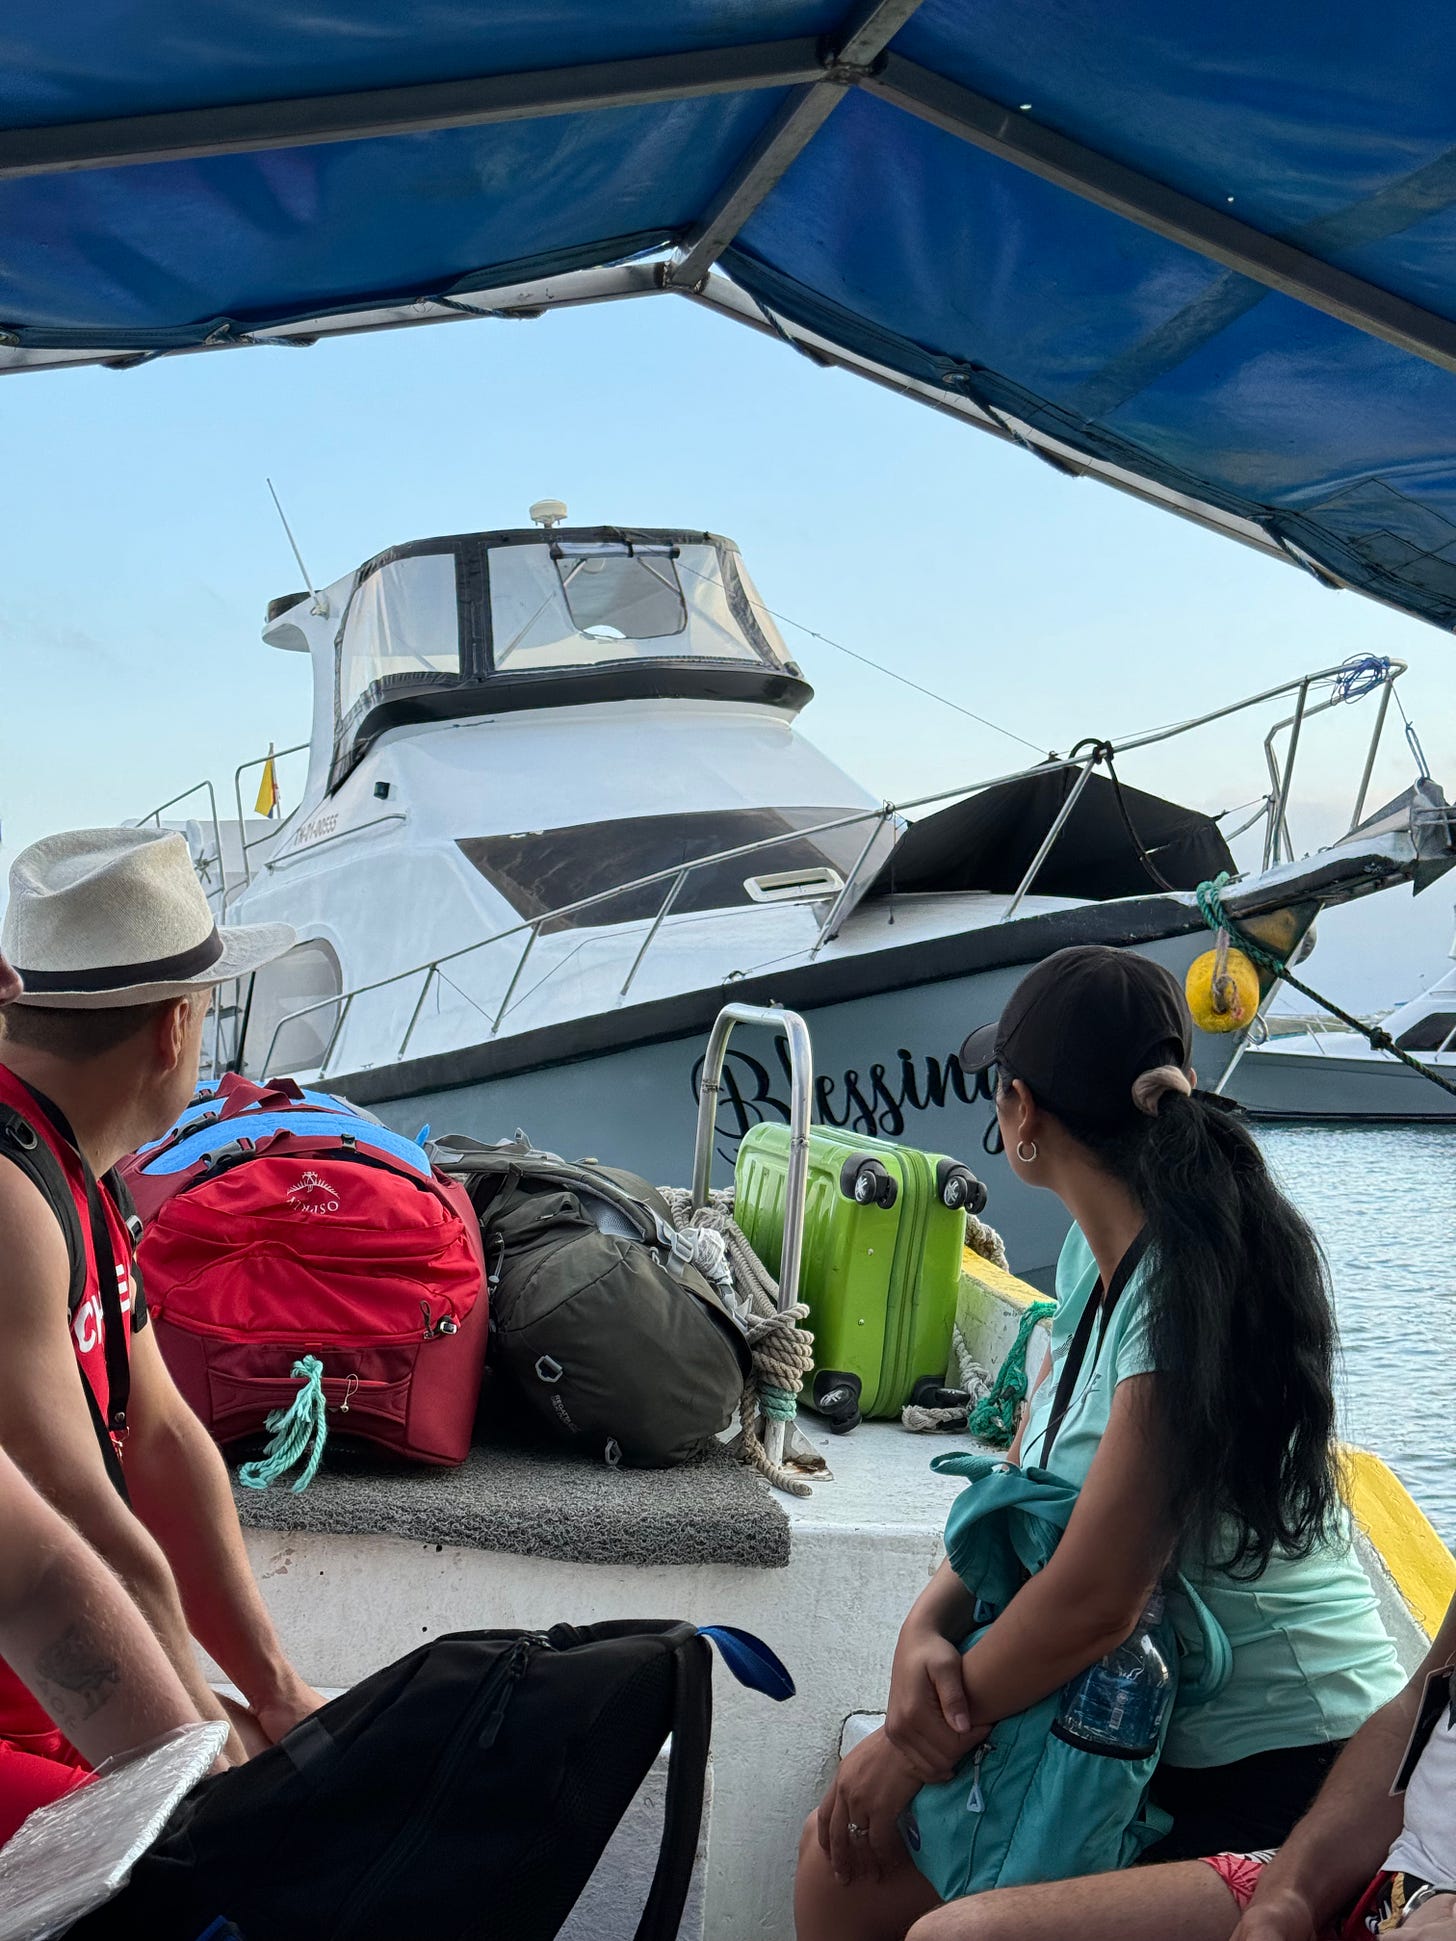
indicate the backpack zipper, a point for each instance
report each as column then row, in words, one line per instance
column 494, row 1695
column 976, row 1802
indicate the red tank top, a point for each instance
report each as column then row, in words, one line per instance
column 22, row 1721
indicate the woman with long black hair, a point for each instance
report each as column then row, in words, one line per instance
column 1197, row 1422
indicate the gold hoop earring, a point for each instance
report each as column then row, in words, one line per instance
column 1026, row 1154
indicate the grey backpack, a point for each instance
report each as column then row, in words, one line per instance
column 618, row 1328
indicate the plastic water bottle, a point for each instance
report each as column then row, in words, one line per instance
column 1117, row 1705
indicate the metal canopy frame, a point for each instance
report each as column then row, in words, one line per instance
column 820, row 73
column 191, row 134
column 1294, row 272
column 863, row 42
column 813, row 76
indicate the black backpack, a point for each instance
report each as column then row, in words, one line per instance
column 600, row 1320
column 467, row 1791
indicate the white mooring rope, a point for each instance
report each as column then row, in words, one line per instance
column 782, row 1351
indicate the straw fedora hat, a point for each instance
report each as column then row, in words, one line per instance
column 99, row 918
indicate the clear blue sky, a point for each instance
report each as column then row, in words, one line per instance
column 140, row 547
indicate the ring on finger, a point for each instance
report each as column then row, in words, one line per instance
column 857, row 1832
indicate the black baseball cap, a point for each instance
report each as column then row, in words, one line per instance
column 1083, row 1026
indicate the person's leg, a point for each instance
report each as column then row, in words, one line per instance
column 1189, row 1900
column 870, row 1910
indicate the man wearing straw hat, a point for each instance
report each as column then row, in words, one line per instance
column 114, row 941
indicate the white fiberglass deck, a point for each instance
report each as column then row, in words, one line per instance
column 861, row 1549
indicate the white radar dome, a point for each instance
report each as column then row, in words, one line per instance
column 548, row 512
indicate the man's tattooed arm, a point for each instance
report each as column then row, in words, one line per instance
column 71, row 1633
column 77, row 1675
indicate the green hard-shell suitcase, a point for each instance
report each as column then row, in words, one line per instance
column 883, row 1233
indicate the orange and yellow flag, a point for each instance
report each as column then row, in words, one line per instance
column 269, row 802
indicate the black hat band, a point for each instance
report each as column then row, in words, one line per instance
column 120, row 977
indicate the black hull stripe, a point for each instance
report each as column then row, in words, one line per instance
column 805, row 987
column 810, row 987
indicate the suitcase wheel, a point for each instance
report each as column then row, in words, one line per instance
column 867, row 1182
column 959, row 1188
column 930, row 1392
column 836, row 1397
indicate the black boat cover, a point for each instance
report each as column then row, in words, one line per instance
column 988, row 842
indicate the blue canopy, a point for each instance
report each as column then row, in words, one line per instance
column 1206, row 253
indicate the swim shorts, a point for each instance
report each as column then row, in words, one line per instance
column 1378, row 1910
column 30, row 1779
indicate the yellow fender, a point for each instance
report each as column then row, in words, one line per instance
column 1240, row 992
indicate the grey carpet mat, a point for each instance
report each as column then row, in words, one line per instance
column 542, row 1503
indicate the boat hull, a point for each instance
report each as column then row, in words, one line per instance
column 1325, row 1088
column 885, row 1063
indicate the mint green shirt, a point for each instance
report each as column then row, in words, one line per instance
column 1311, row 1658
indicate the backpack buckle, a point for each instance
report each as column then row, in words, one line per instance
column 681, row 1249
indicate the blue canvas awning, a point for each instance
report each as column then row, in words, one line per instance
column 1208, row 254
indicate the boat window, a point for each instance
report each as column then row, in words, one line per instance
column 622, row 596
column 585, row 604
column 544, row 870
column 1429, row 1033
column 305, row 975
column 403, row 619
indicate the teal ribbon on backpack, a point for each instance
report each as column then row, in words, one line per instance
column 1027, row 1805
column 296, row 1434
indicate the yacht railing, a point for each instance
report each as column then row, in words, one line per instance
column 1277, row 844
column 1274, row 811
column 203, row 863
column 200, row 863
column 246, row 768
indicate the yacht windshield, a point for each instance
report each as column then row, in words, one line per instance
column 438, row 629
column 403, row 619
column 584, row 604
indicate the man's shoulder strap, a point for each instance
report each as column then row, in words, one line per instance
column 23, row 1146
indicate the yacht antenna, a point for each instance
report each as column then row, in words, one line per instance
column 320, row 600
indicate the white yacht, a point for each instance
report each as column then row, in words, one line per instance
column 558, row 806
column 1336, row 1076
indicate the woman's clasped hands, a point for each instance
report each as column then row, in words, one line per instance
column 927, row 1733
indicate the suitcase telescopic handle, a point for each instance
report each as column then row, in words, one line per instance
column 792, row 1027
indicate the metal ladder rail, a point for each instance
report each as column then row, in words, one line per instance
column 792, row 1027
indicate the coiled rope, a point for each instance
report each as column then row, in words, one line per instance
column 297, row 1433
column 990, row 1409
column 986, row 1242
column 782, row 1351
column 986, row 1408
column 1360, row 675
column 993, row 1419
column 1210, row 903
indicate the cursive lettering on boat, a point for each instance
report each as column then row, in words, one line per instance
column 874, row 1102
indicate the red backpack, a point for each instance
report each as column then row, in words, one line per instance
column 308, row 1272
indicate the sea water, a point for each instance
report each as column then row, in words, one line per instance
column 1382, row 1200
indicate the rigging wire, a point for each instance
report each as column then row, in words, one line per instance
column 930, row 693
